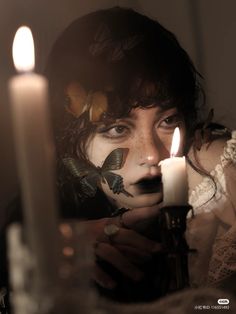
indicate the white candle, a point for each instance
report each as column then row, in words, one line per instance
column 35, row 154
column 174, row 176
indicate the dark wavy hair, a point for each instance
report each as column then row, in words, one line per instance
column 131, row 58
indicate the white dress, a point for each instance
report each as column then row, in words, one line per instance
column 212, row 230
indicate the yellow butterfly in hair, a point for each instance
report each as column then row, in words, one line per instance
column 90, row 176
column 79, row 101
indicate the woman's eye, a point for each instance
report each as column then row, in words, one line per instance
column 171, row 121
column 115, row 131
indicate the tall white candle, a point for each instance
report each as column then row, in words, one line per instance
column 35, row 159
column 174, row 176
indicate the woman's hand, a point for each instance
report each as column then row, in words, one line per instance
column 135, row 217
column 124, row 250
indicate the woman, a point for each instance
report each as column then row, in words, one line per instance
column 120, row 84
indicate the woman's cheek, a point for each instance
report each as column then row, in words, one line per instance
column 97, row 151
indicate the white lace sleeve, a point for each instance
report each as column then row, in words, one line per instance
column 223, row 261
column 214, row 205
column 229, row 155
column 214, row 195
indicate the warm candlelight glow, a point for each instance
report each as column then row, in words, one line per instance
column 23, row 49
column 175, row 143
column 174, row 175
column 28, row 93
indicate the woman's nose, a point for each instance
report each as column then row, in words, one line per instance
column 151, row 151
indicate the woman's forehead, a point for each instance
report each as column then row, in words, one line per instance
column 137, row 112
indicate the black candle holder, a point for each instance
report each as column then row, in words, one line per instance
column 172, row 226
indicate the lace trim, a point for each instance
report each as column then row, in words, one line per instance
column 223, row 261
column 206, row 189
column 229, row 154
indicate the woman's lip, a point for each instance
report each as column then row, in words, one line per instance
column 149, row 184
column 149, row 178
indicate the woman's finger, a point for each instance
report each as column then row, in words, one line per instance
column 110, row 254
column 102, row 278
column 134, row 255
column 133, row 239
column 131, row 217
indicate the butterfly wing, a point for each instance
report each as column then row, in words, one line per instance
column 78, row 168
column 198, row 139
column 131, row 42
column 89, row 184
column 102, row 41
column 114, row 160
column 116, row 52
column 103, row 33
column 115, row 182
column 209, row 118
column 88, row 175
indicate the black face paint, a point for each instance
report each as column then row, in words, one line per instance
column 150, row 185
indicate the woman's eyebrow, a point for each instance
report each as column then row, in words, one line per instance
column 170, row 109
column 128, row 119
column 160, row 111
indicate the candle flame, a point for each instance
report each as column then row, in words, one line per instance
column 175, row 143
column 23, row 49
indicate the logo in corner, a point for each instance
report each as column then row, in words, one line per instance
column 223, row 301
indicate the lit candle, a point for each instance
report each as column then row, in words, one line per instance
column 35, row 154
column 174, row 176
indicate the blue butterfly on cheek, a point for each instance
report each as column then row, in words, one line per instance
column 90, row 177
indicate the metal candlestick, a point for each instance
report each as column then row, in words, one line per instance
column 172, row 226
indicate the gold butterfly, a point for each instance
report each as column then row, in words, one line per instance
column 80, row 101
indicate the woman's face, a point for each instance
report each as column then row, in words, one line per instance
column 147, row 133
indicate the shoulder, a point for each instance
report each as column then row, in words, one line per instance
column 210, row 153
column 205, row 160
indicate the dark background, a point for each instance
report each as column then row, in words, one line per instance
column 206, row 29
